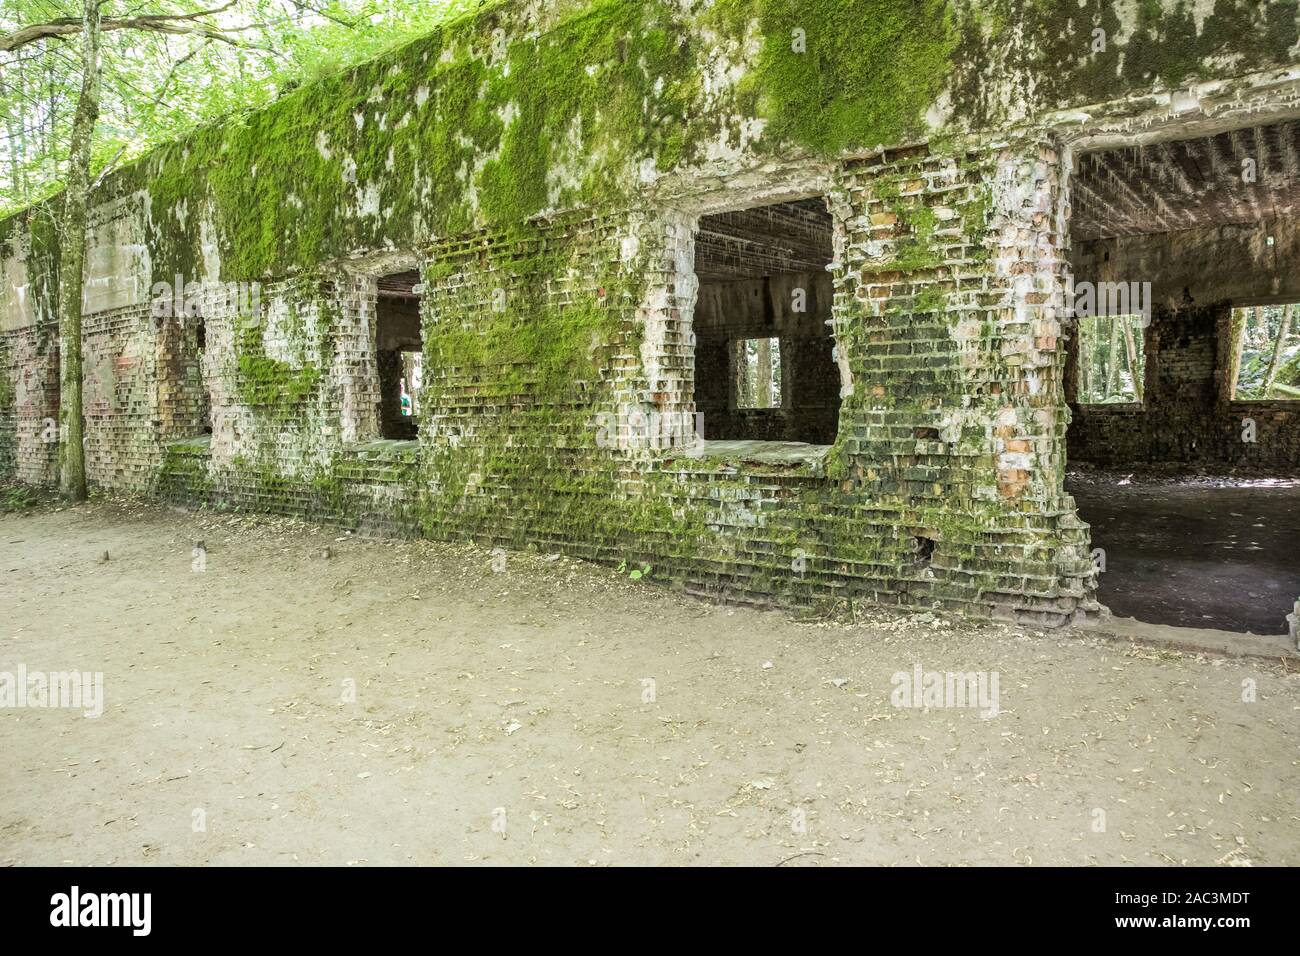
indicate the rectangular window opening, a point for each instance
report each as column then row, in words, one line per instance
column 765, row 369
column 1112, row 359
column 204, row 411
column 1267, row 353
column 756, row 365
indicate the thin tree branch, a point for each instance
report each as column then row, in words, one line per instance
column 174, row 23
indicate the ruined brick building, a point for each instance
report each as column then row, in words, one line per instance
column 523, row 281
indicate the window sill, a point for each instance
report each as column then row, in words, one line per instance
column 198, row 445
column 404, row 449
column 792, row 453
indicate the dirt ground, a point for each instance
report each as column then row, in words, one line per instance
column 504, row 718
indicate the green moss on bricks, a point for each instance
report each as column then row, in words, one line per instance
column 7, row 391
column 836, row 75
column 1281, row 28
column 267, row 382
column 1055, row 44
column 615, row 84
column 485, row 122
column 184, row 474
column 457, row 129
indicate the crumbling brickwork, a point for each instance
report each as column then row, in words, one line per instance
column 550, row 188
column 955, row 364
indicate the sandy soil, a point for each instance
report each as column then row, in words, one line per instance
column 520, row 696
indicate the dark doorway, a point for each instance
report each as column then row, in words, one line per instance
column 204, row 397
column 1183, row 375
column 399, row 347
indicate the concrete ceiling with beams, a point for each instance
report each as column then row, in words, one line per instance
column 765, row 241
column 399, row 285
column 1187, row 184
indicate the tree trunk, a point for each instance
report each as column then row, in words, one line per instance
column 1112, row 357
column 763, row 375
column 1238, row 328
column 1131, row 347
column 72, row 260
column 17, row 151
column 1278, row 348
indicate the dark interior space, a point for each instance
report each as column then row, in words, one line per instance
column 204, row 395
column 398, row 354
column 1196, row 552
column 764, row 368
column 1184, row 442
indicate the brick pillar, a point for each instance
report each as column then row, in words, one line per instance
column 950, row 288
column 352, row 299
column 34, row 356
column 667, row 245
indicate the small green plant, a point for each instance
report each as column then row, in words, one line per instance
column 18, row 498
column 635, row 574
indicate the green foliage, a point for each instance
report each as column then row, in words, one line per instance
column 1269, row 340
column 758, row 366
column 635, row 574
column 476, row 122
column 20, row 498
column 158, row 86
column 869, row 72
column 1108, row 371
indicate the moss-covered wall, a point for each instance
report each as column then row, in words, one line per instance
column 29, row 370
column 538, row 162
column 529, row 107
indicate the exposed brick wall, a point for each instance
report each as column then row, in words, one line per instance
column 29, row 409
column 944, row 490
column 956, row 267
column 184, row 406
column 551, row 338
column 124, row 437
column 1187, row 420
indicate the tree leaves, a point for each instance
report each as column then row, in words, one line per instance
column 158, row 85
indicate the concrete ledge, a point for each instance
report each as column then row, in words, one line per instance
column 406, row 450
column 766, row 452
column 1198, row 639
